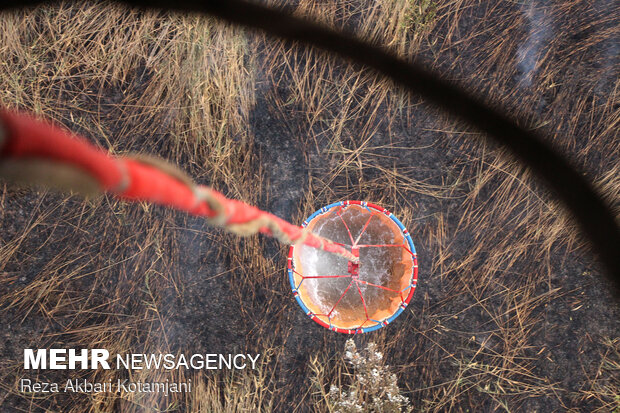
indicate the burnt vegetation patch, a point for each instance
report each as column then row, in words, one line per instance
column 511, row 312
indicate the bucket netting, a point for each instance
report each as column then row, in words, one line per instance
column 347, row 297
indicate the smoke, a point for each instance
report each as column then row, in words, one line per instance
column 606, row 13
column 531, row 51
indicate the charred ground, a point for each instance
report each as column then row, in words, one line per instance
column 511, row 312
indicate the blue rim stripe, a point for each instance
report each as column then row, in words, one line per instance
column 380, row 323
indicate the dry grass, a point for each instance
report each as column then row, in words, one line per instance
column 604, row 385
column 498, row 256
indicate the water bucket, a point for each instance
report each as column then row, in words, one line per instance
column 347, row 297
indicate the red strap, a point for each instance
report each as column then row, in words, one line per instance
column 28, row 138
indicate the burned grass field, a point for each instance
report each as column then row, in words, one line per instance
column 511, row 313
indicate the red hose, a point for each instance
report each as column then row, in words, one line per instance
column 23, row 138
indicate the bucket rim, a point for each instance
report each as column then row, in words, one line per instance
column 413, row 279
